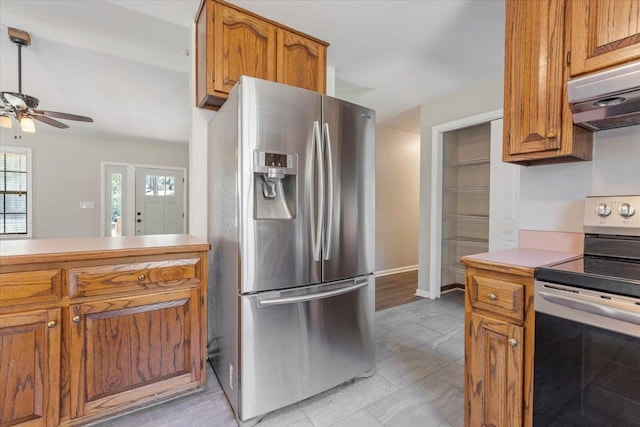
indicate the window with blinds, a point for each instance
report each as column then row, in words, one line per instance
column 15, row 191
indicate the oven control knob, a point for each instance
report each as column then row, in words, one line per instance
column 603, row 210
column 626, row 210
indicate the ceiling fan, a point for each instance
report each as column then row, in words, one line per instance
column 22, row 107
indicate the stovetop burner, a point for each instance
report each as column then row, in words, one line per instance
column 611, row 261
column 619, row 277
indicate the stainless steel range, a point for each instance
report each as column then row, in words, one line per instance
column 587, row 351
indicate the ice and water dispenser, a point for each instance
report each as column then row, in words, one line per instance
column 275, row 185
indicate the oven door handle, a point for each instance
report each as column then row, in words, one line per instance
column 591, row 307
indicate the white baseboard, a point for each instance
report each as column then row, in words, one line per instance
column 396, row 270
column 452, row 290
column 422, row 294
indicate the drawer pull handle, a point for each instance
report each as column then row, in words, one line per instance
column 141, row 277
column 51, row 324
column 493, row 297
column 550, row 135
column 76, row 319
column 513, row 342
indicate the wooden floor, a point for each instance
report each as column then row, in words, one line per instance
column 396, row 289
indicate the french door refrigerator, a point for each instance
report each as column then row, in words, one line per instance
column 292, row 227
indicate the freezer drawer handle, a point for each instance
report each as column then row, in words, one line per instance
column 311, row 297
column 591, row 307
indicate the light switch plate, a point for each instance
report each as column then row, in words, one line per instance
column 87, row 205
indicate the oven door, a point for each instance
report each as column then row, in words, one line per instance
column 587, row 358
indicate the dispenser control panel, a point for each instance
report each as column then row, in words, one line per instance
column 263, row 161
column 276, row 160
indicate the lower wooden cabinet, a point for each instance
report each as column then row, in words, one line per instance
column 128, row 351
column 30, row 368
column 499, row 342
column 495, row 372
column 92, row 334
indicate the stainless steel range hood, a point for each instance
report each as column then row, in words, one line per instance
column 608, row 99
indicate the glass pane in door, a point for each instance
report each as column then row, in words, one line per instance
column 116, row 204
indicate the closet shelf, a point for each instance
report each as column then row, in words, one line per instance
column 459, row 217
column 468, row 162
column 476, row 243
column 466, row 190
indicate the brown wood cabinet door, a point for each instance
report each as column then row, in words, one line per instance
column 129, row 351
column 302, row 62
column 494, row 377
column 534, row 82
column 603, row 33
column 243, row 45
column 30, row 368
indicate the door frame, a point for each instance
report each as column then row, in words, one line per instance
column 435, row 223
column 128, row 228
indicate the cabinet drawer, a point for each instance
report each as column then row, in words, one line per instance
column 30, row 287
column 498, row 296
column 116, row 278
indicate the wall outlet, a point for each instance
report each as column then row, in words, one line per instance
column 87, row 205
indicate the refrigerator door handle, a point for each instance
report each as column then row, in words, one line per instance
column 329, row 229
column 316, row 229
column 267, row 302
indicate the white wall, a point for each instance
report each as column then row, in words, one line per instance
column 397, row 198
column 552, row 196
column 481, row 98
column 66, row 171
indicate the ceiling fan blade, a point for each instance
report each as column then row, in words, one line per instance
column 17, row 103
column 66, row 116
column 50, row 121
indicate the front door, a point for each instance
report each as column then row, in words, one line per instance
column 159, row 201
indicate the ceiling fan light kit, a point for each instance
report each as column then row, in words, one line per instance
column 5, row 122
column 27, row 125
column 21, row 107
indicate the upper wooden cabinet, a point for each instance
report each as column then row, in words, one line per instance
column 538, row 125
column 604, row 33
column 231, row 42
column 302, row 61
column 241, row 44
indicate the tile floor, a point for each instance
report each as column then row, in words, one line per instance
column 418, row 381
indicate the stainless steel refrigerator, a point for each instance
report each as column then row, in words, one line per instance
column 292, row 227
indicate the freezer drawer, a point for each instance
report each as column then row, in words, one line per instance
column 297, row 343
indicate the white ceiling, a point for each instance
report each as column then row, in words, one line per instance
column 123, row 62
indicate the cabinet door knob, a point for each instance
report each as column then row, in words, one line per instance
column 141, row 277
column 51, row 324
column 550, row 135
column 513, row 342
column 76, row 319
column 493, row 297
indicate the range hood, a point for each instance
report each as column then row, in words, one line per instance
column 607, row 99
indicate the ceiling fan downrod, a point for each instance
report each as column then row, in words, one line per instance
column 20, row 39
column 22, row 107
